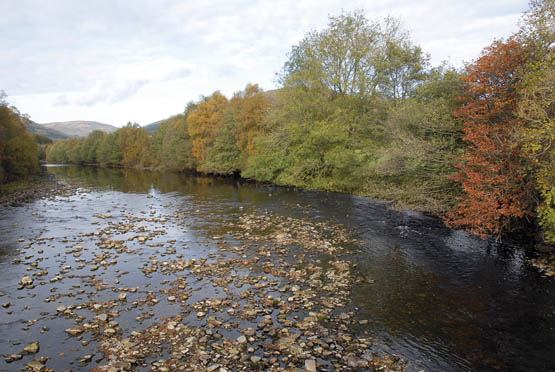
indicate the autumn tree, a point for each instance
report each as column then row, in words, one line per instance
column 133, row 143
column 204, row 122
column 492, row 171
column 18, row 152
column 249, row 108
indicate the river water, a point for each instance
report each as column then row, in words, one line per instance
column 440, row 299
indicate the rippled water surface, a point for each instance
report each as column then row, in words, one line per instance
column 439, row 298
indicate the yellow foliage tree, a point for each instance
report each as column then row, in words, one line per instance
column 204, row 122
column 249, row 108
column 133, row 142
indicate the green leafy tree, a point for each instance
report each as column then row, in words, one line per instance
column 109, row 151
column 224, row 157
column 537, row 107
column 400, row 65
column 56, row 153
column 327, row 121
column 338, row 59
column 176, row 144
column 89, row 147
column 417, row 159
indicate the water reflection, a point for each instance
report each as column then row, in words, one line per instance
column 440, row 298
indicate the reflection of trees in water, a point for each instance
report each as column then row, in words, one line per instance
column 142, row 181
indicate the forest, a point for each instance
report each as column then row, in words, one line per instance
column 360, row 109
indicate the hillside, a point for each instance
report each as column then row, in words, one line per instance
column 152, row 127
column 79, row 128
column 42, row 130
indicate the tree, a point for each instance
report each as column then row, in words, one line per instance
column 338, row 59
column 89, row 147
column 203, row 123
column 176, row 145
column 401, row 66
column 537, row 107
column 224, row 157
column 326, row 122
column 249, row 108
column 18, row 152
column 492, row 172
column 133, row 143
column 417, row 159
column 109, row 151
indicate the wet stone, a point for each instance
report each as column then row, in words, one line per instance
column 36, row 366
column 32, row 348
column 74, row 331
column 102, row 317
column 13, row 357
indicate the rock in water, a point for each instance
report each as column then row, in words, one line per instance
column 26, row 280
column 36, row 366
column 74, row 331
column 32, row 348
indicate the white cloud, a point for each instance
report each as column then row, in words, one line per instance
column 142, row 60
column 61, row 100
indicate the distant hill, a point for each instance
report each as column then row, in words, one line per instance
column 42, row 130
column 79, row 128
column 153, row 127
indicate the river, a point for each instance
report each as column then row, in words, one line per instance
column 440, row 299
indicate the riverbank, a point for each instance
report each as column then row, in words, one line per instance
column 17, row 193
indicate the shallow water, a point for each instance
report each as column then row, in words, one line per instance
column 439, row 298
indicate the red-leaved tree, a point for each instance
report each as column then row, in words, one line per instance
column 493, row 174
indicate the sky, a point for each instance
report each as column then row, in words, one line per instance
column 116, row 61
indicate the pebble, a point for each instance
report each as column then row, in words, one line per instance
column 36, row 366
column 310, row 365
column 32, row 348
column 74, row 331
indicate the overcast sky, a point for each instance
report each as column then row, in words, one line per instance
column 143, row 60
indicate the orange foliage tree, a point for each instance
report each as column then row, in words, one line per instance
column 249, row 108
column 203, row 123
column 494, row 176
